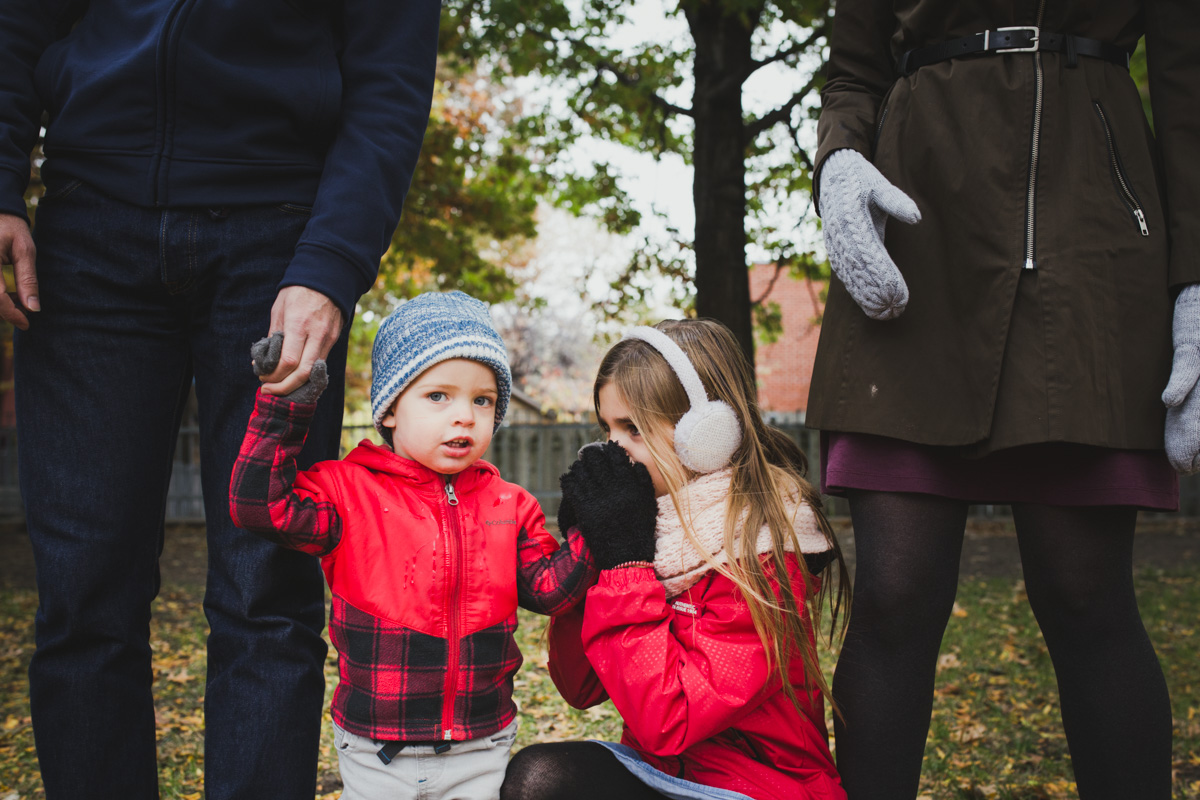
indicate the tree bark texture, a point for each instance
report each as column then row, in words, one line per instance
column 723, row 59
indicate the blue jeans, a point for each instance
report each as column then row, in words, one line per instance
column 135, row 303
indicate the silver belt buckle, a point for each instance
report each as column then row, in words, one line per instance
column 1033, row 45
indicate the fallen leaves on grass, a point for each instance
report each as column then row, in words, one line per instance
column 995, row 731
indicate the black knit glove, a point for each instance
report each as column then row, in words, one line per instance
column 566, row 515
column 566, row 511
column 611, row 500
column 264, row 358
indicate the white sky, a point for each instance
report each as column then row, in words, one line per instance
column 666, row 184
column 572, row 254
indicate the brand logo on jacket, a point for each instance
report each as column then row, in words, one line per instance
column 500, row 522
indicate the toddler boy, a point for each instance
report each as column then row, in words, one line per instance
column 427, row 551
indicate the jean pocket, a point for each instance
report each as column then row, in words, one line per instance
column 60, row 191
column 346, row 742
column 296, row 209
column 506, row 737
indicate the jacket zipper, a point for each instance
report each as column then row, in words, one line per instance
column 453, row 573
column 166, row 103
column 1126, row 191
column 1034, row 145
column 882, row 119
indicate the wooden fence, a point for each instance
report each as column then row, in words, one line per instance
column 532, row 456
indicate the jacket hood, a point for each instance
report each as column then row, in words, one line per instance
column 383, row 460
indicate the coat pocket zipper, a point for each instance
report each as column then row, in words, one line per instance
column 1114, row 160
column 882, row 119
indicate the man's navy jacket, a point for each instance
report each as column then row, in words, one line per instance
column 175, row 103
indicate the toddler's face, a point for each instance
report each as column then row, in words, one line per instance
column 617, row 424
column 444, row 418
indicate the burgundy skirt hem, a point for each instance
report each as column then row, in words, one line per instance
column 1052, row 473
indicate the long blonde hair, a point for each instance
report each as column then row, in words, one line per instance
column 768, row 471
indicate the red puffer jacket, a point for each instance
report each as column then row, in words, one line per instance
column 691, row 681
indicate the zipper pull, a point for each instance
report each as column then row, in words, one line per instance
column 1141, row 220
column 451, row 497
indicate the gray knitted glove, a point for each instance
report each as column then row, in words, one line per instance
column 856, row 201
column 264, row 358
column 1181, row 398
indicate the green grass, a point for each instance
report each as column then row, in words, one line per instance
column 995, row 730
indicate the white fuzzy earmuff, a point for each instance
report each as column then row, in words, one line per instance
column 709, row 433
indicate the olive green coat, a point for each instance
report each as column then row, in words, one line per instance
column 990, row 354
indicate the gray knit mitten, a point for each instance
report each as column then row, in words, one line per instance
column 264, row 358
column 856, row 201
column 1181, row 397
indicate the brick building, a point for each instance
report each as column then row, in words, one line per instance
column 784, row 367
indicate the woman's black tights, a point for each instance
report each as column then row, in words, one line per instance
column 1078, row 565
column 571, row 771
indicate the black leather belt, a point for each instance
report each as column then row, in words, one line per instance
column 1022, row 39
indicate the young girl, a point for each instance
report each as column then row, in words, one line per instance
column 699, row 628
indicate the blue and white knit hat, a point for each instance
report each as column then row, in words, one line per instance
column 427, row 330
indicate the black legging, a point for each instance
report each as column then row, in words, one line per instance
column 1078, row 565
column 571, row 771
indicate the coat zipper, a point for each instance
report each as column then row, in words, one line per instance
column 1034, row 145
column 1126, row 191
column 882, row 119
column 453, row 574
column 166, row 97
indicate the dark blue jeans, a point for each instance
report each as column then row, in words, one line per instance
column 135, row 303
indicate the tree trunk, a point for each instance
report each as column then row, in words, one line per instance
column 719, row 191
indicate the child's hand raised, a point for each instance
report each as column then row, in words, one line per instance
column 612, row 502
column 264, row 358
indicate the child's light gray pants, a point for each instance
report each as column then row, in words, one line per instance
column 470, row 770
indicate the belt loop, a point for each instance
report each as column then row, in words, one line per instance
column 1072, row 51
column 389, row 751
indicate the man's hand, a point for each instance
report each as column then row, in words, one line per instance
column 16, row 248
column 310, row 324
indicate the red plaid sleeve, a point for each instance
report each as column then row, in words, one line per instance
column 551, row 579
column 570, row 669
column 262, row 495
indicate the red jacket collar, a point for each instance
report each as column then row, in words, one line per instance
column 379, row 458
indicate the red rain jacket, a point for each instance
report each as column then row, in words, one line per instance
column 691, row 681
